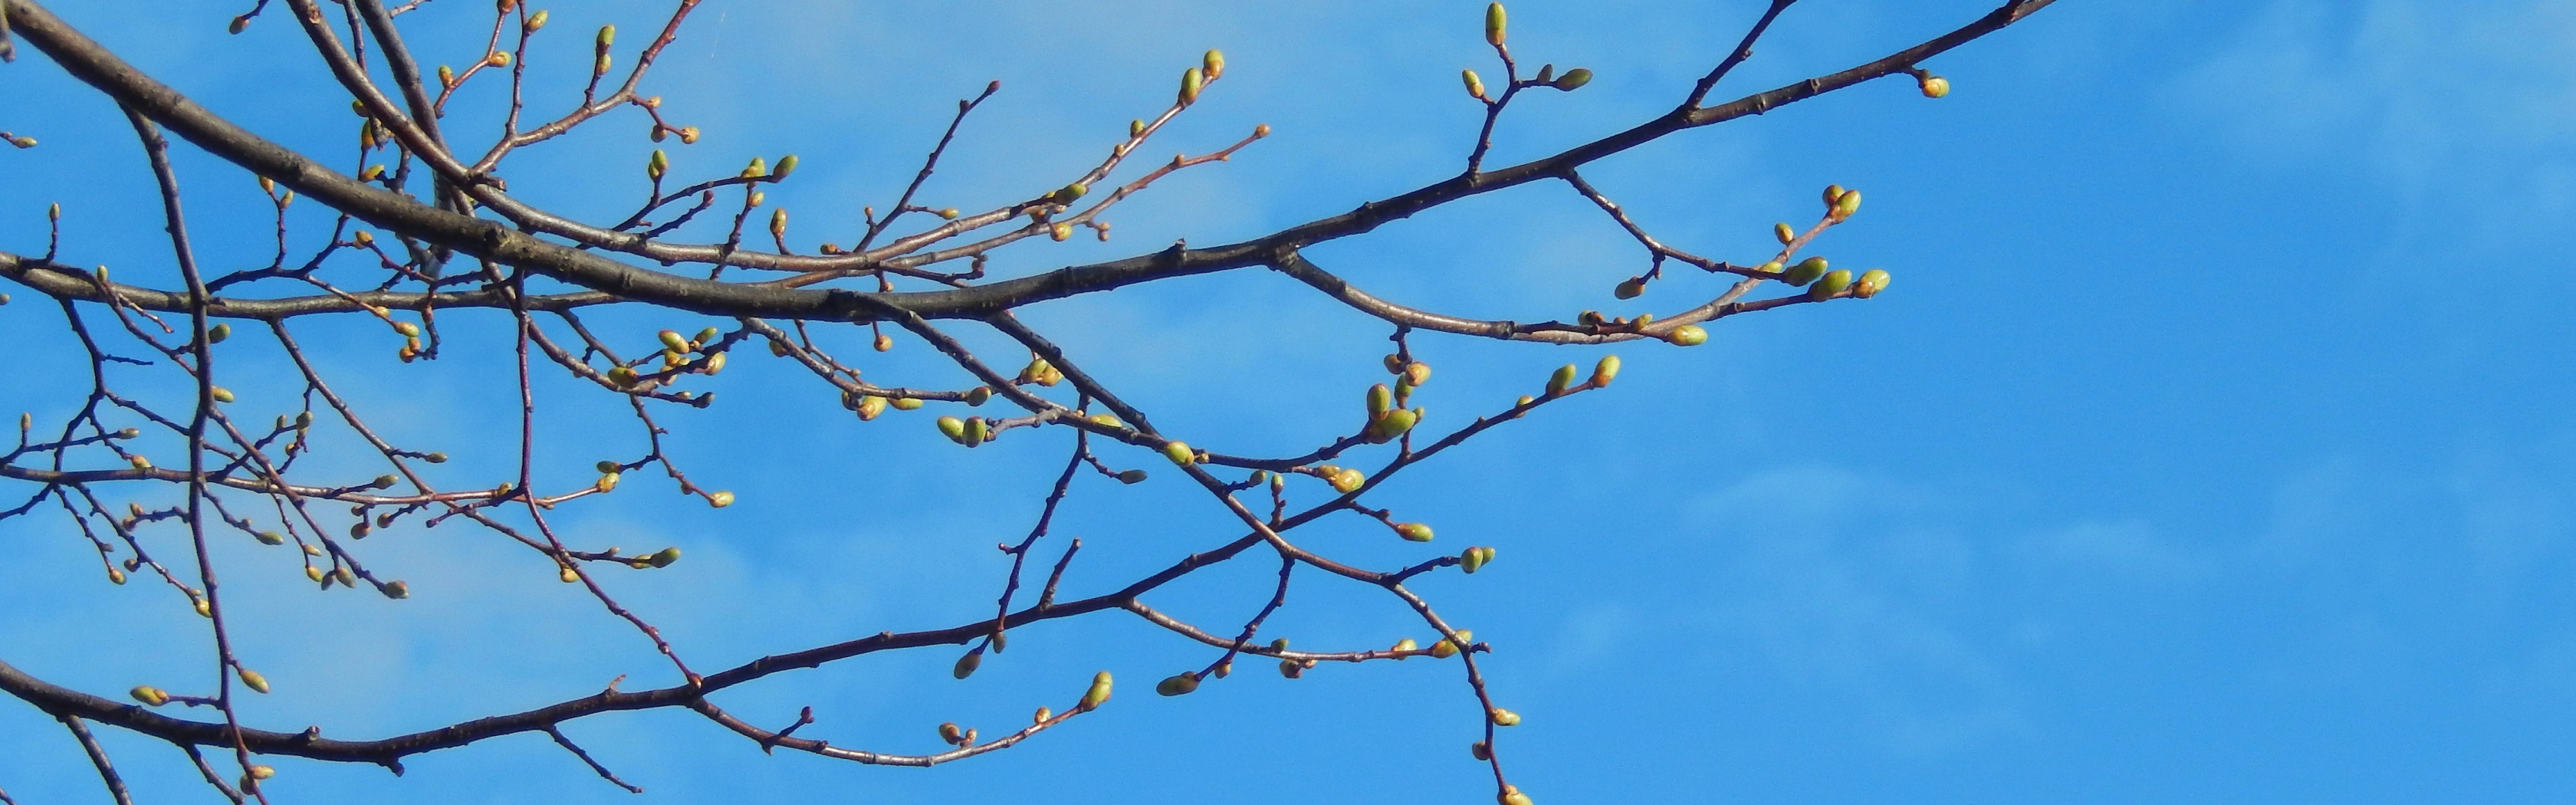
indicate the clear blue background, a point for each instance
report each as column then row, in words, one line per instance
column 2212, row 444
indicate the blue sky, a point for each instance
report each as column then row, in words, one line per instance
column 2211, row 443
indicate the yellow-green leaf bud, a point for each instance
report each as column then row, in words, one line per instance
column 1406, row 644
column 1380, row 399
column 664, row 557
column 758, row 168
column 1629, row 288
column 1870, row 283
column 1833, row 193
column 607, row 36
column 1131, row 477
column 221, row 331
column 778, row 222
column 1475, row 84
column 1060, row 232
column 1511, row 795
column 1479, row 751
column 1177, row 684
column 672, row 340
column 150, row 696
column 949, row 214
column 607, row 482
column 1179, row 452
column 1395, row 423
column 953, row 428
column 1846, row 205
column 907, row 403
column 688, row 135
column 535, row 21
column 978, row 395
column 1562, row 379
column 1192, row 80
column 720, row 499
column 221, row 394
column 1688, row 335
column 948, row 731
column 269, row 538
column 1415, row 532
column 977, row 430
column 621, row 375
column 1135, row 127
column 259, row 772
column 786, row 165
column 396, row 590
column 716, row 362
column 446, row 77
column 251, row 679
column 1494, row 23
column 871, row 407
column 1504, row 718
column 499, row 58
column 1348, row 480
column 1833, row 283
column 407, row 329
column 1783, row 231
column 1605, row 371
column 1934, row 86
column 1099, row 691
column 1106, row 419
column 1213, row 63
column 1572, row 80
column 1043, row 715
column 310, row 572
column 1417, row 373
column 567, row 574
column 657, row 164
column 966, row 665
column 1806, row 271
column 1471, row 560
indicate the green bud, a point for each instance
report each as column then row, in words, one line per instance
column 953, row 428
column 1870, row 283
column 720, row 499
column 396, row 590
column 758, row 168
column 1192, row 80
column 1179, row 452
column 1630, row 288
column 708, row 336
column 786, row 165
column 1067, row 193
column 1471, row 560
column 657, row 164
column 1380, row 399
column 977, row 430
column 1605, row 371
column 1395, row 423
column 607, row 482
column 385, row 481
column 949, row 732
column 1098, row 693
column 871, row 407
column 251, row 679
column 1494, row 23
column 270, row 538
column 966, row 665
column 620, row 375
column 1563, row 378
column 1846, row 205
column 1177, row 685
column 949, row 214
column 1833, row 283
column 1348, row 480
column 150, row 696
column 1106, row 419
column 1934, row 86
column 1415, row 532
column 435, row 457
column 664, row 557
column 671, row 339
column 1503, row 718
column 1806, row 271
column 1131, row 477
column 1784, row 232
column 1572, row 80
column 607, row 36
column 221, row 394
column 907, row 403
column 1213, row 64
column 219, row 332
column 978, row 395
column 535, row 21
column 1688, row 335
column 1135, row 127
column 1511, row 795
column 1475, row 84
column 1417, row 373
column 1406, row 644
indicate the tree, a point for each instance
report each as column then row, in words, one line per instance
column 424, row 237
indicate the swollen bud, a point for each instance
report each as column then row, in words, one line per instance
column 1213, row 63
column 664, row 557
column 786, row 165
column 1494, row 20
column 1480, row 751
column 1630, row 288
column 219, row 332
column 1393, row 424
column 1511, row 795
column 1934, row 86
column 720, row 499
column 1870, row 283
column 1688, row 335
column 778, row 222
column 758, row 168
column 1380, row 399
column 1192, row 80
column 535, row 21
column 1847, row 204
column 150, row 696
column 966, row 665
column 977, row 431
column 949, row 732
column 1347, row 480
column 1560, row 380
column 1131, row 477
column 1503, row 718
column 1179, row 452
column 1098, row 693
column 656, row 165
column 1806, row 271
column 1178, row 684
column 1605, row 371
column 673, row 340
column 1572, row 80
column 396, row 590
column 251, row 679
column 953, row 428
column 1783, row 232
column 1416, row 532
column 1475, row 85
column 607, row 36
column 871, row 407
column 1833, row 283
